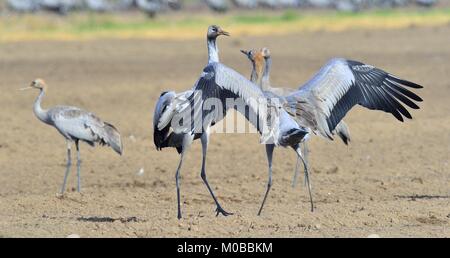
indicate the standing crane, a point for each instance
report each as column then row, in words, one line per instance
column 322, row 102
column 170, row 104
column 75, row 124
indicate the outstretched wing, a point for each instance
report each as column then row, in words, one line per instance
column 342, row 84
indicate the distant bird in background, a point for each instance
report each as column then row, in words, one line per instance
column 220, row 6
column 75, row 125
column 23, row 5
column 108, row 5
column 153, row 7
column 246, row 4
column 61, row 7
column 150, row 7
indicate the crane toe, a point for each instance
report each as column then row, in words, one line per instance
column 222, row 211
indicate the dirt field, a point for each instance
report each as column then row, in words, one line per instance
column 392, row 180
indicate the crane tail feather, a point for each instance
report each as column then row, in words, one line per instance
column 113, row 138
column 343, row 132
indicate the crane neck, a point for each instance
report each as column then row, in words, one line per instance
column 257, row 72
column 266, row 75
column 213, row 51
column 254, row 76
column 40, row 113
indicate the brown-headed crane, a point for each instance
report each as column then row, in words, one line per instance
column 321, row 103
column 75, row 125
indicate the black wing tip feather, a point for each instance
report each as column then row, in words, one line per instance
column 405, row 82
column 344, row 138
column 352, row 63
column 163, row 93
column 394, row 93
column 378, row 90
column 405, row 95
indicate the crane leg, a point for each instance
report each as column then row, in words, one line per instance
column 69, row 163
column 177, row 179
column 78, row 167
column 306, row 164
column 297, row 165
column 307, row 181
column 204, row 139
column 269, row 152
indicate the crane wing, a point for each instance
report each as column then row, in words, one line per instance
column 163, row 104
column 219, row 82
column 75, row 123
column 71, row 122
column 342, row 84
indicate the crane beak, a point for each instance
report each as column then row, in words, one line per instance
column 26, row 88
column 244, row 52
column 222, row 32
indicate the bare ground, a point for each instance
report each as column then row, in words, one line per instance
column 392, row 180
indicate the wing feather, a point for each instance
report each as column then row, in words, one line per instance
column 220, row 82
column 342, row 84
column 75, row 123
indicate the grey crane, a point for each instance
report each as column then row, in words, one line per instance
column 217, row 82
column 321, row 103
column 61, row 7
column 23, row 5
column 108, row 5
column 167, row 135
column 247, row 4
column 261, row 65
column 151, row 7
column 75, row 125
column 260, row 76
column 220, row 6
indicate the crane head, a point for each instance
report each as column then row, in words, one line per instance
column 257, row 59
column 256, row 56
column 36, row 84
column 265, row 52
column 250, row 54
column 214, row 31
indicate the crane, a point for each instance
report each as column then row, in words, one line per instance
column 321, row 103
column 261, row 66
column 75, row 125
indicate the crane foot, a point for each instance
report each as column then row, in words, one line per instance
column 222, row 211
